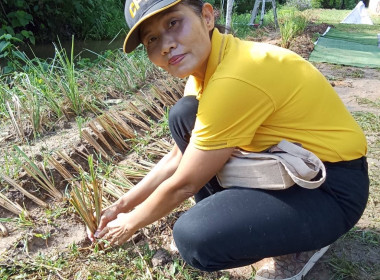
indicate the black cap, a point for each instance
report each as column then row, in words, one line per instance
column 136, row 11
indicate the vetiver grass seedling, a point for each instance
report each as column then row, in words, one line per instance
column 14, row 184
column 11, row 206
column 41, row 177
column 69, row 83
column 87, row 199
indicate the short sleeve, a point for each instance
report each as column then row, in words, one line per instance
column 230, row 111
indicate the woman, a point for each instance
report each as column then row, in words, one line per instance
column 251, row 96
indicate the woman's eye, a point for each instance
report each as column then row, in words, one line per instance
column 172, row 23
column 151, row 40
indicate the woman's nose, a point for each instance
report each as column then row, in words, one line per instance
column 167, row 44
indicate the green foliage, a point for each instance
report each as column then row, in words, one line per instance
column 334, row 4
column 300, row 5
column 9, row 51
column 16, row 22
column 292, row 23
column 368, row 121
column 95, row 19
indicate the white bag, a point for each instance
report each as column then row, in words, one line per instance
column 281, row 167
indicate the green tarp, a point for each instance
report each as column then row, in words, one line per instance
column 354, row 49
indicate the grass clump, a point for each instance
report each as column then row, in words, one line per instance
column 87, row 198
column 40, row 175
column 292, row 23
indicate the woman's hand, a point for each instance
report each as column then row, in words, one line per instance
column 117, row 231
column 108, row 214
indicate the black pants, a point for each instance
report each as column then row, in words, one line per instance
column 238, row 226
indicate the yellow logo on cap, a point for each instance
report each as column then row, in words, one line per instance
column 134, row 7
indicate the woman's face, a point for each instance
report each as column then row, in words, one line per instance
column 178, row 40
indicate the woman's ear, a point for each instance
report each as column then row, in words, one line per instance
column 208, row 16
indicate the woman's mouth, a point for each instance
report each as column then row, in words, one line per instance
column 176, row 59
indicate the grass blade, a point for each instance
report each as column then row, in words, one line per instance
column 23, row 191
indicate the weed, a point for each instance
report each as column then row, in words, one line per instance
column 331, row 78
column 11, row 166
column 367, row 236
column 55, row 212
column 163, row 126
column 366, row 101
column 80, row 121
column 357, row 73
column 369, row 122
column 344, row 268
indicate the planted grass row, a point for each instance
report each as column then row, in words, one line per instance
column 45, row 92
column 112, row 180
column 109, row 135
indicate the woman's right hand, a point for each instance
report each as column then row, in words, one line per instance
column 107, row 215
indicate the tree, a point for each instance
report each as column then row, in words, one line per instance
column 230, row 4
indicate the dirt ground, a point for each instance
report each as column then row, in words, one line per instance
column 352, row 84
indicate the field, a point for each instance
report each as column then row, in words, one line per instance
column 115, row 111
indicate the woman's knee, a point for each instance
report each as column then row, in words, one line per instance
column 194, row 245
column 184, row 111
column 182, row 119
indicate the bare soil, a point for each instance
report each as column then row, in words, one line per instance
column 56, row 233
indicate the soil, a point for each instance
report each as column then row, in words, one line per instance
column 59, row 232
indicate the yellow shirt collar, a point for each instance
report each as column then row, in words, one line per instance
column 195, row 86
column 218, row 42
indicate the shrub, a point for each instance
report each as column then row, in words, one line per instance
column 334, row 4
column 95, row 19
column 300, row 5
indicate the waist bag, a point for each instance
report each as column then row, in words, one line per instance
column 281, row 167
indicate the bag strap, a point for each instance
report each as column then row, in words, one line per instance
column 301, row 164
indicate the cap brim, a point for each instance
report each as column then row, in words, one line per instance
column 132, row 40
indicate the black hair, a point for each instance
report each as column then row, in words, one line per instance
column 197, row 5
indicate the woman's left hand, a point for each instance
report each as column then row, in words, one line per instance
column 117, row 231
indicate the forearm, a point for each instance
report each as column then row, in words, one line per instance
column 160, row 203
column 163, row 170
column 195, row 170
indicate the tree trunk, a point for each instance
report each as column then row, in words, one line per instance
column 230, row 4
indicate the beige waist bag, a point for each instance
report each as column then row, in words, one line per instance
column 281, row 167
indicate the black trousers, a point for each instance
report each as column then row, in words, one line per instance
column 238, row 226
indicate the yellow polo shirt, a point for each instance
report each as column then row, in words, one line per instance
column 254, row 95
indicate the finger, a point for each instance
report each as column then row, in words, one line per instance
column 90, row 235
column 102, row 233
column 114, row 242
column 102, row 223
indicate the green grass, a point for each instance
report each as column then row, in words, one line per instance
column 334, row 17
column 345, row 269
column 370, row 103
column 292, row 23
column 47, row 91
column 368, row 121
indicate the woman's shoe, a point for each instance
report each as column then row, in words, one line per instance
column 289, row 267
